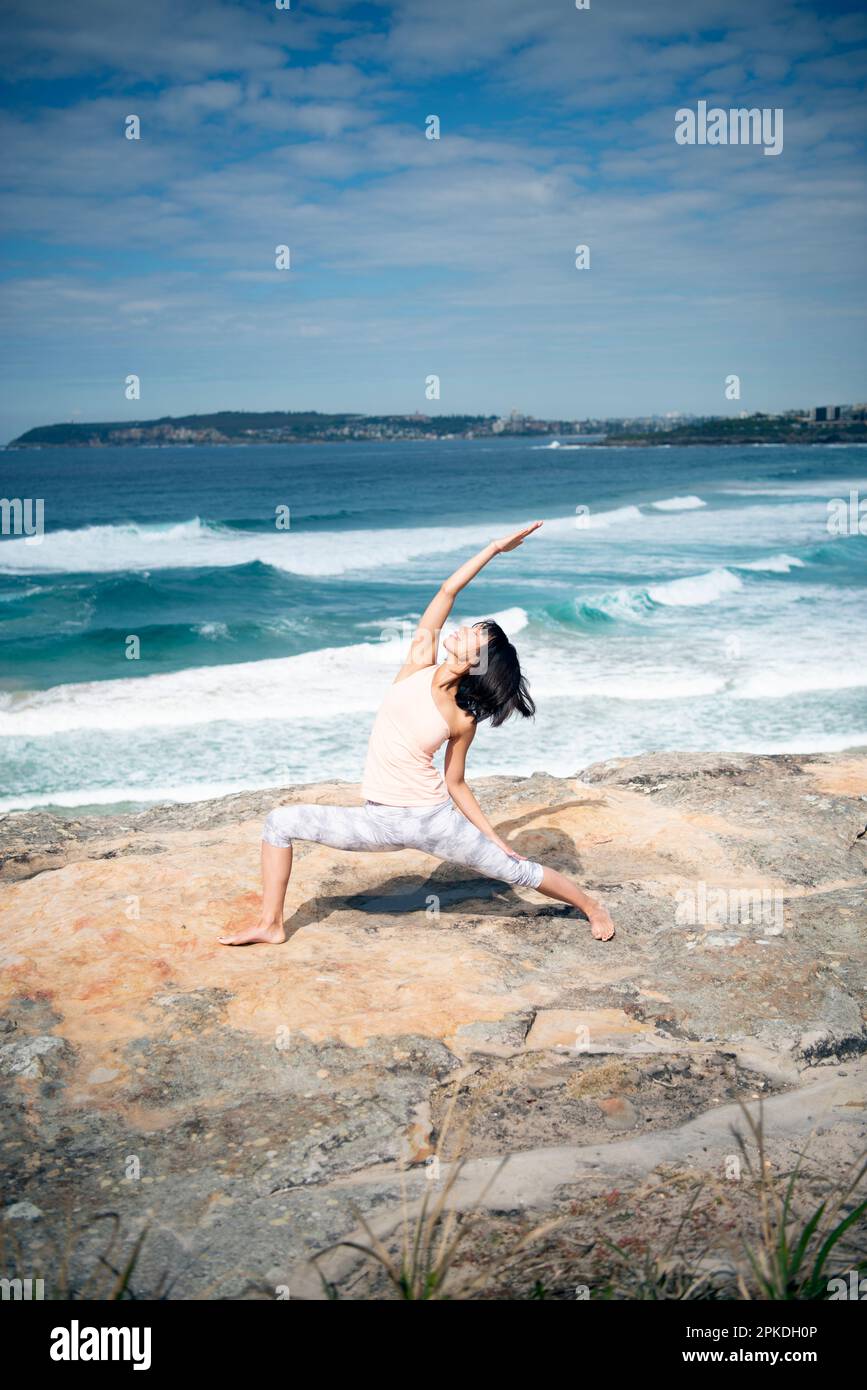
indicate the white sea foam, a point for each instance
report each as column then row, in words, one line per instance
column 773, row 524
column 776, row 564
column 695, row 589
column 594, row 521
column 825, row 487
column 679, row 504
column 113, row 796
column 15, row 596
column 627, row 605
column 313, row 685
column 634, row 605
column 197, row 544
column 555, row 444
column 775, row 685
column 637, row 685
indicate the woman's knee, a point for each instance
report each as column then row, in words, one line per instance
column 278, row 828
column 521, row 873
column 526, row 873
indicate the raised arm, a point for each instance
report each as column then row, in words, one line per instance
column 425, row 643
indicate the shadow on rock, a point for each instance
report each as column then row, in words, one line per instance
column 447, row 887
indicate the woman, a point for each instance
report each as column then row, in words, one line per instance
column 408, row 803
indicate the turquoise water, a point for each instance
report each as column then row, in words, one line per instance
column 698, row 601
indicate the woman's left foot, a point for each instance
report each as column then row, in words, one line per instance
column 266, row 933
column 601, row 925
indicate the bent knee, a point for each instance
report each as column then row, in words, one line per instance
column 529, row 874
column 276, row 829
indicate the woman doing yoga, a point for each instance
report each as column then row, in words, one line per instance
column 409, row 805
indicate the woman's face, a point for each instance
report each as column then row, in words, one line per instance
column 466, row 644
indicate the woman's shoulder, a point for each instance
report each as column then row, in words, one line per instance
column 457, row 720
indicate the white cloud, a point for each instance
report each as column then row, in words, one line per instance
column 260, row 128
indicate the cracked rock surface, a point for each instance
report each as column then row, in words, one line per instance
column 245, row 1105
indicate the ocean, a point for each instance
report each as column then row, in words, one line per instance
column 676, row 598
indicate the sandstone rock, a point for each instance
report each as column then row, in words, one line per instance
column 593, row 1030
column 243, row 1104
column 619, row 1112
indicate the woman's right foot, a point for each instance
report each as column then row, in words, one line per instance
column 264, row 933
column 601, row 925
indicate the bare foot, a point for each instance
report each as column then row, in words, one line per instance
column 268, row 933
column 601, row 925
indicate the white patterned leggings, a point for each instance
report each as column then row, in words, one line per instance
column 440, row 830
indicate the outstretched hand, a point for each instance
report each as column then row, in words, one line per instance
column 512, row 542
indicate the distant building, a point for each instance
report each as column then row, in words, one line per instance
column 825, row 412
column 515, row 422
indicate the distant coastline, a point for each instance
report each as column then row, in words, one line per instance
column 817, row 426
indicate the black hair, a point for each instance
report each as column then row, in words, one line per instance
column 497, row 689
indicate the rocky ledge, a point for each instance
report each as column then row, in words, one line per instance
column 247, row 1109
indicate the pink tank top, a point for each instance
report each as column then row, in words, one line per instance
column 406, row 733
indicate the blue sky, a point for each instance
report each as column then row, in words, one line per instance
column 412, row 257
